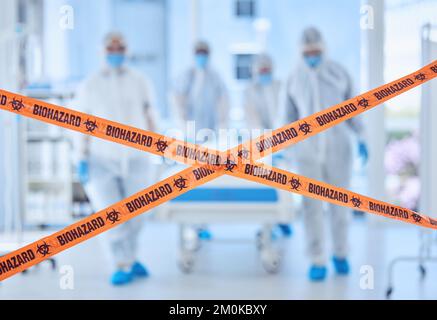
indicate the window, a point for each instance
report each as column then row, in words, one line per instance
column 243, row 66
column 245, row 8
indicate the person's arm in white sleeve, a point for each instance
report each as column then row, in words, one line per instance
column 81, row 142
column 355, row 123
column 81, row 103
column 291, row 109
column 288, row 110
column 179, row 97
column 150, row 110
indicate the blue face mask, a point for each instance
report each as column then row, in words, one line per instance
column 313, row 61
column 201, row 60
column 265, row 79
column 115, row 60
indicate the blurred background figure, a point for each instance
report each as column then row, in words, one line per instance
column 108, row 173
column 200, row 95
column 262, row 100
column 318, row 83
column 262, row 95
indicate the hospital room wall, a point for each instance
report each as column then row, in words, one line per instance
column 217, row 22
column 338, row 20
column 72, row 51
column 71, row 54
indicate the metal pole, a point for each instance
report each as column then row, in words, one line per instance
column 373, row 76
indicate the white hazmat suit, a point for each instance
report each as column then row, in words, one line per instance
column 115, row 171
column 327, row 156
column 262, row 101
column 200, row 94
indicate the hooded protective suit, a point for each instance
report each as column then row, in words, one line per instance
column 200, row 94
column 262, row 100
column 326, row 156
column 115, row 171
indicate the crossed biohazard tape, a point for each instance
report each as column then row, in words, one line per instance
column 206, row 165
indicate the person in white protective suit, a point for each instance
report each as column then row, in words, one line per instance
column 316, row 84
column 200, row 95
column 262, row 100
column 262, row 96
column 110, row 172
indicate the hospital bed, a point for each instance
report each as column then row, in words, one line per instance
column 229, row 200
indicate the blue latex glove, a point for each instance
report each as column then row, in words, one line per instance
column 204, row 234
column 286, row 230
column 364, row 153
column 83, row 172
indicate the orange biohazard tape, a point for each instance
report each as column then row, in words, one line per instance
column 312, row 188
column 190, row 178
column 99, row 222
column 192, row 154
column 313, row 124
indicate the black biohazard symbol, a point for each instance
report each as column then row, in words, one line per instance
column 420, row 77
column 113, row 216
column 243, row 154
column 230, row 165
column 295, row 184
column 180, row 183
column 90, row 125
column 363, row 102
column 305, row 128
column 17, row 105
column 43, row 249
column 417, row 218
column 356, row 202
column 161, row 145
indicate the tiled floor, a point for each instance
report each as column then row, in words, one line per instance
column 232, row 270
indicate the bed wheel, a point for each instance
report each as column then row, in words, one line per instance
column 271, row 261
column 388, row 292
column 259, row 240
column 186, row 263
column 422, row 270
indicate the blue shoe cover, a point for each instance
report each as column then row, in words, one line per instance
column 121, row 277
column 204, row 234
column 341, row 265
column 138, row 270
column 286, row 230
column 317, row 273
